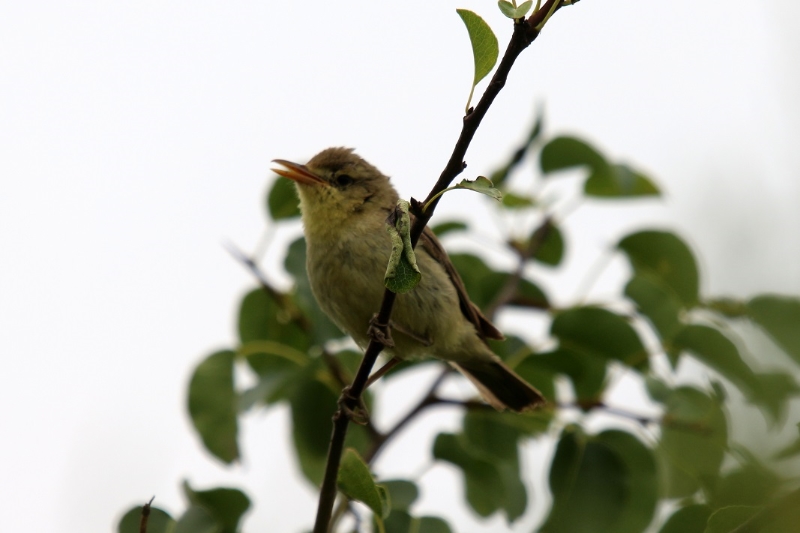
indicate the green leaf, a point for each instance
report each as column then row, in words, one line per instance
column 484, row 46
column 282, row 201
column 225, row 506
column 482, row 185
column 780, row 318
column 586, row 372
column 715, row 350
column 657, row 302
column 790, row 450
column 402, row 272
column 515, row 201
column 262, row 318
column 490, row 486
column 448, row 227
column 398, row 521
column 402, row 493
column 323, row 328
column 664, row 256
column 619, row 181
column 490, row 436
column 600, row 333
column 727, row 519
column 213, row 405
column 159, row 521
column 356, row 482
column 564, row 153
column 551, row 251
column 689, row 519
column 197, row 520
column 432, row 524
column 483, row 283
column 589, row 483
column 276, row 365
column 693, row 442
column 749, row 484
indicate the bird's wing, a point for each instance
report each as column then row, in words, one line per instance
column 482, row 324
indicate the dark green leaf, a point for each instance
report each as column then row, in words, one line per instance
column 727, row 519
column 225, row 506
column 282, row 201
column 262, row 318
column 432, row 524
column 398, row 521
column 551, row 251
column 728, row 307
column 159, row 521
column 586, row 372
column 790, row 450
column 780, row 318
column 655, row 301
column 693, row 442
column 619, row 181
column 515, row 201
column 323, row 329
column 489, row 487
column 657, row 389
column 276, row 364
column 483, row 283
column 447, row 227
column 600, row 333
column 488, row 435
column 749, row 484
column 402, row 493
column 568, row 152
column 213, row 405
column 590, row 486
column 666, row 257
column 356, row 482
column 484, row 44
column 689, row 519
column 197, row 520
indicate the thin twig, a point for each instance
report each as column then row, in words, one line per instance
column 145, row 516
column 524, row 34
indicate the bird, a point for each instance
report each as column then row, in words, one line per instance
column 344, row 205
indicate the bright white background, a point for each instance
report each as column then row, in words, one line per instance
column 135, row 137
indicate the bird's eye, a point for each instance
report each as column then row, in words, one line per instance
column 343, row 180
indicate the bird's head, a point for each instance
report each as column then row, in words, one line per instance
column 337, row 185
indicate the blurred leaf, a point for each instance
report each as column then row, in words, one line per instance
column 689, row 519
column 484, row 46
column 515, row 201
column 275, row 364
column 657, row 303
column 780, row 318
column 224, row 506
column 749, row 484
column 589, row 483
column 568, row 152
column 487, row 434
column 398, row 521
column 313, row 404
column 790, row 450
column 773, row 392
column 482, row 185
column 715, row 350
column 551, row 251
column 727, row 307
column 262, row 318
column 213, row 405
column 282, row 200
column 159, row 521
column 323, row 329
column 693, row 442
column 489, row 487
column 402, row 493
column 727, row 519
column 197, row 520
column 657, row 389
column 600, row 333
column 448, row 227
column 356, row 482
column 500, row 175
column 402, row 522
column 586, row 372
column 432, row 524
column 666, row 257
column 483, row 283
column 619, row 181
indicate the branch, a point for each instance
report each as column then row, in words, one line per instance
column 523, row 35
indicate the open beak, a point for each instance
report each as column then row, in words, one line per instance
column 298, row 173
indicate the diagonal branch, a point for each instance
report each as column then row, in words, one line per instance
column 524, row 34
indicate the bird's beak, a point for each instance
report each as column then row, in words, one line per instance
column 298, row 173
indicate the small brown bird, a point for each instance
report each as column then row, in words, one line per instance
column 345, row 202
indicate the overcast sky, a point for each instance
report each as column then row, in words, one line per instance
column 136, row 137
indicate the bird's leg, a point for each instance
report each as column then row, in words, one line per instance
column 359, row 415
column 378, row 374
column 382, row 333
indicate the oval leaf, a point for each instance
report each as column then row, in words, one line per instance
column 356, row 482
column 484, row 44
column 780, row 318
column 282, row 200
column 619, row 181
column 213, row 405
column 159, row 521
column 226, row 506
column 563, row 153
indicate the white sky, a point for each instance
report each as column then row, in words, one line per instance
column 136, row 136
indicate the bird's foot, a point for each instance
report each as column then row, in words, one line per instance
column 381, row 333
column 358, row 414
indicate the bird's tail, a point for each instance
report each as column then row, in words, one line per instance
column 500, row 386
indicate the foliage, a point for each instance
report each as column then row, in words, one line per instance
column 610, row 480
